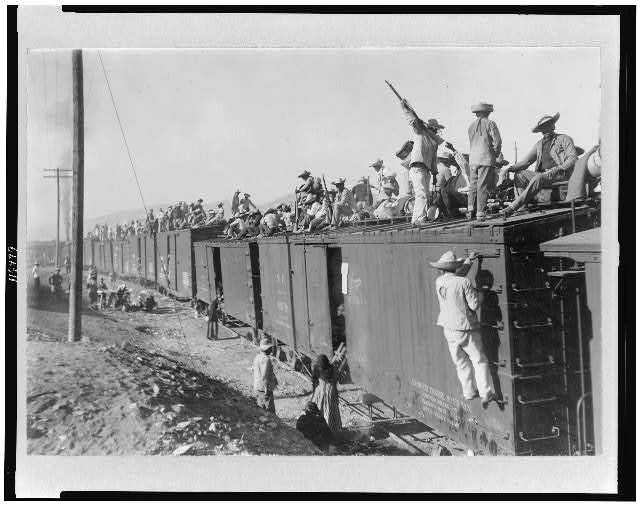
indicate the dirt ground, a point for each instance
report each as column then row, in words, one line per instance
column 152, row 384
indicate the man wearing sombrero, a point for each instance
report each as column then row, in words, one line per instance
column 388, row 206
column 343, row 205
column 362, row 194
column 422, row 163
column 485, row 153
column 458, row 305
column 554, row 156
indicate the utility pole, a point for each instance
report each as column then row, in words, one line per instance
column 75, row 295
column 65, row 173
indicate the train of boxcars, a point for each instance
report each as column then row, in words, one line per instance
column 370, row 287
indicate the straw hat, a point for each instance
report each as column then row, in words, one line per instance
column 433, row 123
column 338, row 181
column 363, row 179
column 482, row 107
column 304, row 173
column 388, row 186
column 377, row 164
column 544, row 120
column 447, row 262
column 265, row 344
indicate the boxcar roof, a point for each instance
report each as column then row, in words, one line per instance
column 494, row 230
column 587, row 241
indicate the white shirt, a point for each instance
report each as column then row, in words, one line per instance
column 35, row 272
column 458, row 302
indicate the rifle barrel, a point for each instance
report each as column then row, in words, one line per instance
column 393, row 89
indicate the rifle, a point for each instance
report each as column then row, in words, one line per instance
column 394, row 90
column 295, row 224
column 326, row 196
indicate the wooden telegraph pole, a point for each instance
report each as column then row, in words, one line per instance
column 75, row 297
column 58, row 175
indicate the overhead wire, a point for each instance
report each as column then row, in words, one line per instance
column 55, row 122
column 122, row 131
column 46, row 108
column 124, row 138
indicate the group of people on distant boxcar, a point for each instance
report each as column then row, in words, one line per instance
column 177, row 216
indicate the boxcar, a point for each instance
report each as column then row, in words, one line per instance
column 397, row 352
column 300, row 294
column 88, row 252
column 116, row 248
column 204, row 271
column 236, row 272
column 577, row 265
column 177, row 272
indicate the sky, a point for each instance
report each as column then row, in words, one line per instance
column 203, row 123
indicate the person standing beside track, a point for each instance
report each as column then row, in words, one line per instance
column 264, row 379
column 324, row 379
column 212, row 319
column 458, row 304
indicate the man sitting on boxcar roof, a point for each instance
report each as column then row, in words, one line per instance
column 343, row 206
column 388, row 207
column 554, row 156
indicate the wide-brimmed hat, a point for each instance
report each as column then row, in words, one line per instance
column 405, row 150
column 36, row 263
column 388, row 186
column 266, row 344
column 304, row 173
column 482, row 107
column 220, row 204
column 377, row 164
column 391, row 175
column 544, row 120
column 338, row 181
column 363, row 179
column 433, row 123
column 199, row 200
column 447, row 262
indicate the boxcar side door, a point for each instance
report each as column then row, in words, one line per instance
column 319, row 315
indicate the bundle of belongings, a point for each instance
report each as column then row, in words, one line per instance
column 121, row 298
column 144, row 301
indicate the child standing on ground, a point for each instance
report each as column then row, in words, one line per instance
column 264, row 379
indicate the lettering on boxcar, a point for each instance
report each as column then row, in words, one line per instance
column 432, row 402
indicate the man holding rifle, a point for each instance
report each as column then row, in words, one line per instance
column 423, row 158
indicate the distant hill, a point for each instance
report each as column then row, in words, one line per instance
column 288, row 199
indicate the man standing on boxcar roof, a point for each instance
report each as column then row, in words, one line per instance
column 458, row 304
column 422, row 163
column 554, row 156
column 485, row 153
